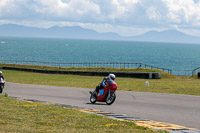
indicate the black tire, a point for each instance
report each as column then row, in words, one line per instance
column 93, row 99
column 110, row 100
column 1, row 88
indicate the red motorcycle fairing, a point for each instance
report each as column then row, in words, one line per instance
column 101, row 96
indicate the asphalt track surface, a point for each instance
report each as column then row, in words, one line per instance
column 182, row 110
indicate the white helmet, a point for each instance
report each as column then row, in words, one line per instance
column 111, row 76
column 0, row 72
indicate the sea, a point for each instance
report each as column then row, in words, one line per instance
column 175, row 56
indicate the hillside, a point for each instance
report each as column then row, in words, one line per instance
column 76, row 32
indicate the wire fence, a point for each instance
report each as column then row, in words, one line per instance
column 195, row 71
column 182, row 72
column 100, row 64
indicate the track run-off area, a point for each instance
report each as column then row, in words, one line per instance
column 175, row 109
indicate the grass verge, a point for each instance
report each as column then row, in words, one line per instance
column 31, row 117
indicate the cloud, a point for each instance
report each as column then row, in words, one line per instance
column 74, row 10
column 119, row 13
column 183, row 12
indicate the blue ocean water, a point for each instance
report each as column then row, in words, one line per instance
column 167, row 55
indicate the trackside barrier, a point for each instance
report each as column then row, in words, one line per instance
column 195, row 71
column 85, row 64
column 104, row 65
column 145, row 75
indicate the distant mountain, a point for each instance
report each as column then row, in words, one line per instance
column 56, row 31
column 82, row 33
column 166, row 36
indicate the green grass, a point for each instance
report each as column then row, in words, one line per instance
column 34, row 117
column 169, row 84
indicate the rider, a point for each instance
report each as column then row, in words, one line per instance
column 1, row 75
column 104, row 83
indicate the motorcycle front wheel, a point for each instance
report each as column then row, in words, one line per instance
column 110, row 99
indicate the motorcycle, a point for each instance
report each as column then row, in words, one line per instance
column 106, row 94
column 2, row 82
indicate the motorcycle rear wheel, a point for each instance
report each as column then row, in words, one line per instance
column 93, row 99
column 110, row 99
column 1, row 88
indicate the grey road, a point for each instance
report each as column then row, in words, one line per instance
column 171, row 108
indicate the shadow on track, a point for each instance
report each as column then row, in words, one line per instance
column 97, row 103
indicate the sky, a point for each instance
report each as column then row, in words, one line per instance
column 125, row 17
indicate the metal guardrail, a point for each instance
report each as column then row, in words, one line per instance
column 195, row 71
column 144, row 75
column 100, row 64
column 182, row 72
column 85, row 64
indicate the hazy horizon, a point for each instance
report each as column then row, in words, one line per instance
column 76, row 32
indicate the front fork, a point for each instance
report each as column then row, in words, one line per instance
column 110, row 93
